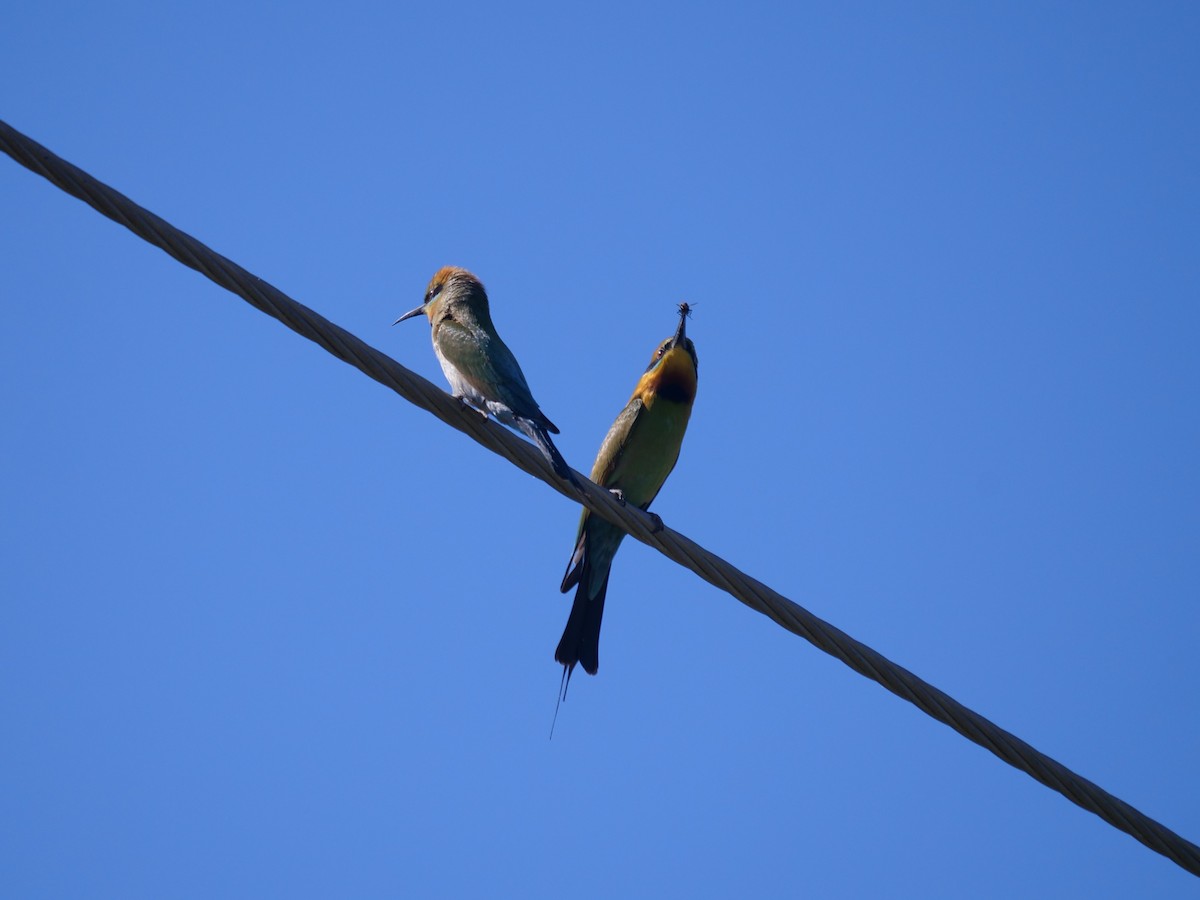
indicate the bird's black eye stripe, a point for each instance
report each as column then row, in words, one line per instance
column 433, row 292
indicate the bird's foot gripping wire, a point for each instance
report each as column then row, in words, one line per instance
column 656, row 522
column 469, row 405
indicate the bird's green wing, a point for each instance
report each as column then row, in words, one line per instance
column 641, row 449
column 612, row 450
column 486, row 362
column 606, row 472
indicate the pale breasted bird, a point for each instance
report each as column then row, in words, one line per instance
column 479, row 366
column 637, row 455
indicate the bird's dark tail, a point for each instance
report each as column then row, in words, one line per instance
column 580, row 643
column 541, row 437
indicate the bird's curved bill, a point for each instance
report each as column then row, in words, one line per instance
column 412, row 312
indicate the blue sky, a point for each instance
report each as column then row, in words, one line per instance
column 271, row 631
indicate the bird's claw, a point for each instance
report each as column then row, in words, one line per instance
column 656, row 523
column 463, row 401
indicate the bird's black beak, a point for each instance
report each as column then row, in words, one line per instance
column 681, row 331
column 412, row 312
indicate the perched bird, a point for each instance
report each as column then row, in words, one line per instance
column 635, row 459
column 479, row 366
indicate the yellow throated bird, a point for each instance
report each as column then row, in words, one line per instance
column 635, row 459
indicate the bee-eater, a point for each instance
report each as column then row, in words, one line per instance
column 479, row 366
column 635, row 459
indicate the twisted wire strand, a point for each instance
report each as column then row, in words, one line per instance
column 754, row 594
